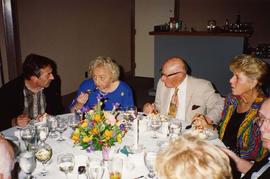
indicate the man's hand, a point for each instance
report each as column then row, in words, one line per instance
column 148, row 108
column 22, row 120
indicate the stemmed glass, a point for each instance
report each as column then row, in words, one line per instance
column 73, row 121
column 43, row 154
column 174, row 129
column 130, row 114
column 28, row 135
column 155, row 124
column 62, row 124
column 95, row 168
column 43, row 132
column 52, row 124
column 27, row 162
column 66, row 163
column 149, row 160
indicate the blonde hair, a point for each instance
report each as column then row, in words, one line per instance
column 252, row 67
column 189, row 157
column 106, row 62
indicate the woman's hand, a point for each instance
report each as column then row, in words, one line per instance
column 242, row 165
column 83, row 98
column 201, row 121
column 80, row 101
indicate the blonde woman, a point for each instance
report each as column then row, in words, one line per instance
column 189, row 157
column 238, row 129
column 103, row 83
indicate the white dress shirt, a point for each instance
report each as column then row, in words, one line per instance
column 180, row 114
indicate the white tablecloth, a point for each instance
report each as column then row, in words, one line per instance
column 133, row 164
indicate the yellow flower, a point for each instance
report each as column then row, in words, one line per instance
column 84, row 124
column 108, row 134
column 86, row 139
column 97, row 117
column 75, row 137
column 119, row 138
column 95, row 131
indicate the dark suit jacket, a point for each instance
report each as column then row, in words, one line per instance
column 12, row 100
column 256, row 167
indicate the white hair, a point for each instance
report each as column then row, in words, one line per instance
column 6, row 160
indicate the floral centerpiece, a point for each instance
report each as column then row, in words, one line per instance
column 99, row 129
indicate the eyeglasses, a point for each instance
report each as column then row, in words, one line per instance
column 172, row 74
column 261, row 119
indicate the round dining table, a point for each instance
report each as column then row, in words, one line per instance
column 133, row 162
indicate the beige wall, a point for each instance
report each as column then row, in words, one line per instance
column 74, row 31
column 147, row 14
column 196, row 14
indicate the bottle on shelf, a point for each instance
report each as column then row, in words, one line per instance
column 172, row 24
column 226, row 26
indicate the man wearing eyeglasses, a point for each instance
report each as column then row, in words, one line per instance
column 194, row 97
column 258, row 169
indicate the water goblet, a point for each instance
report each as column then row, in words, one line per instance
column 43, row 132
column 43, row 154
column 28, row 135
column 95, row 168
column 130, row 113
column 149, row 160
column 174, row 129
column 155, row 124
column 27, row 162
column 66, row 163
column 73, row 121
column 62, row 125
column 52, row 124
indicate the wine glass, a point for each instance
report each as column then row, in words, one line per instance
column 174, row 129
column 155, row 124
column 66, row 163
column 73, row 121
column 28, row 135
column 52, row 124
column 43, row 132
column 62, row 124
column 130, row 114
column 27, row 162
column 149, row 160
column 43, row 154
column 95, row 168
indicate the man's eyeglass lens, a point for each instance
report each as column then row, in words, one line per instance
column 162, row 74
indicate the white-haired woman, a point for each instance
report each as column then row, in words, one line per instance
column 104, row 82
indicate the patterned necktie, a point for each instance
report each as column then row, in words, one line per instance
column 174, row 103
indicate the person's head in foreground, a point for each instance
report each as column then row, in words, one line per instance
column 105, row 73
column 6, row 159
column 191, row 158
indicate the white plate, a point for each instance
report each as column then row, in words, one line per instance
column 205, row 134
